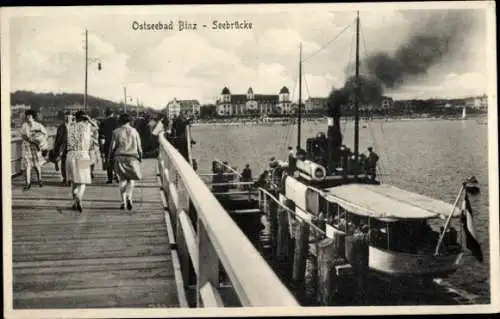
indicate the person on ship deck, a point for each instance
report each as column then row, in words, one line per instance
column 371, row 163
column 246, row 176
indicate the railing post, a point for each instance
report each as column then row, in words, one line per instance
column 183, row 197
column 208, row 265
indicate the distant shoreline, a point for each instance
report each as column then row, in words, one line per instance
column 291, row 121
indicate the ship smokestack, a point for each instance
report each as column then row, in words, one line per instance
column 334, row 138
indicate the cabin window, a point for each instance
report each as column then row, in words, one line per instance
column 379, row 235
column 332, row 213
column 312, row 201
column 407, row 236
column 322, row 203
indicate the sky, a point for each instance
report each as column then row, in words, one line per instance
column 47, row 52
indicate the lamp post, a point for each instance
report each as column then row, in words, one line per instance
column 87, row 60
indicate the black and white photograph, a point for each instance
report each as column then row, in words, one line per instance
column 250, row 159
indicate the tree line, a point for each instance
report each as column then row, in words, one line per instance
column 60, row 101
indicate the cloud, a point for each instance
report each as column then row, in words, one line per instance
column 47, row 54
column 452, row 85
column 52, row 59
column 284, row 42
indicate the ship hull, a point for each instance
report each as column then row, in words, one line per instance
column 397, row 264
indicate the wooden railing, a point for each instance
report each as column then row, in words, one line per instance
column 206, row 238
column 16, row 144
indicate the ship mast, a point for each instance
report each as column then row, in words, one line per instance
column 299, row 118
column 356, row 95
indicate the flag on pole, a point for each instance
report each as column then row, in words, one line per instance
column 472, row 185
column 472, row 242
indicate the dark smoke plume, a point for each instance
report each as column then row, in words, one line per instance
column 436, row 36
column 370, row 93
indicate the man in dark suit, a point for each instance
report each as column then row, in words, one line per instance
column 61, row 144
column 178, row 133
column 105, row 133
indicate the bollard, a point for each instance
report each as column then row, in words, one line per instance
column 273, row 225
column 357, row 254
column 300, row 254
column 326, row 284
column 283, row 240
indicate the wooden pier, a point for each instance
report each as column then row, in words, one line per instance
column 167, row 252
column 103, row 257
column 178, row 247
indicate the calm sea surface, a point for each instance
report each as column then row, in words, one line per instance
column 430, row 157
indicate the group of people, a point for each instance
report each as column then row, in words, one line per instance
column 224, row 174
column 175, row 131
column 79, row 144
column 319, row 149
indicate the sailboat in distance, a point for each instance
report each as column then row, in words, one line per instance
column 464, row 113
column 410, row 235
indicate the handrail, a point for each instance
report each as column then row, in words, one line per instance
column 189, row 146
column 230, row 183
column 257, row 285
column 290, row 211
column 230, row 168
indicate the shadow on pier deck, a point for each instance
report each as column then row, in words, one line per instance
column 104, row 257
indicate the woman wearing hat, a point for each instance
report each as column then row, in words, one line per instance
column 78, row 158
column 34, row 136
column 126, row 153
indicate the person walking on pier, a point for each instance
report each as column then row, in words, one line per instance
column 126, row 154
column 95, row 152
column 106, row 131
column 32, row 133
column 180, row 124
column 60, row 149
column 78, row 157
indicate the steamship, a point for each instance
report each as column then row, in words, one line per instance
column 409, row 235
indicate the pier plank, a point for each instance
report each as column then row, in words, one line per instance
column 104, row 257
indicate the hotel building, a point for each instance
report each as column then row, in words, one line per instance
column 253, row 104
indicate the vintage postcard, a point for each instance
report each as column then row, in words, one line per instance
column 250, row 160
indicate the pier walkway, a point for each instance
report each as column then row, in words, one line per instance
column 171, row 250
column 103, row 257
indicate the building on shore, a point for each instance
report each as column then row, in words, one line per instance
column 251, row 104
column 477, row 102
column 315, row 104
column 320, row 104
column 73, row 108
column 387, row 103
column 17, row 114
column 190, row 108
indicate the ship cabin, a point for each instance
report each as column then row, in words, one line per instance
column 403, row 227
column 317, row 169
